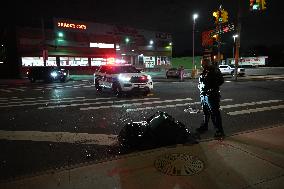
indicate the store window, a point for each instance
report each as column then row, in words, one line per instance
column 149, row 61
column 98, row 61
column 51, row 61
column 32, row 61
column 73, row 61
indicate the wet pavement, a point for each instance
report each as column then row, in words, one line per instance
column 253, row 159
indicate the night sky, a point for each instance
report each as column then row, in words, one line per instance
column 174, row 16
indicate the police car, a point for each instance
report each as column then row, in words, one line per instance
column 122, row 78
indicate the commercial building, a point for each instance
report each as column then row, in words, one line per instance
column 83, row 46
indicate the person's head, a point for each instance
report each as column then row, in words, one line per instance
column 205, row 63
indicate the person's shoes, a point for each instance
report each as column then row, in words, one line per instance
column 219, row 135
column 202, row 129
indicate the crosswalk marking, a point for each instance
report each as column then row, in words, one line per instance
column 249, row 104
column 27, row 100
column 50, row 102
column 5, row 90
column 169, row 106
column 95, row 103
column 134, row 104
column 46, row 87
column 248, row 111
column 60, row 137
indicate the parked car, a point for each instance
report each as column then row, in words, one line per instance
column 230, row 70
column 175, row 73
column 122, row 78
column 47, row 74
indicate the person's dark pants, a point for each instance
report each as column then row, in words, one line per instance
column 211, row 107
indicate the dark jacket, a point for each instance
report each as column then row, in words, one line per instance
column 209, row 81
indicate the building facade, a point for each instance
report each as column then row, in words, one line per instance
column 83, row 46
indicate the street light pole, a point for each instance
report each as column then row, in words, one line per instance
column 195, row 16
column 234, row 36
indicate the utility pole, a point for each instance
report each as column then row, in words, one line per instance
column 238, row 41
column 219, row 36
column 44, row 51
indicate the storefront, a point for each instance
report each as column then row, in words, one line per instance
column 83, row 46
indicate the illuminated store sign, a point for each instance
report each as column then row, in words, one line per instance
column 73, row 61
column 38, row 61
column 102, row 45
column 71, row 25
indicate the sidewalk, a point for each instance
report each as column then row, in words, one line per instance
column 248, row 160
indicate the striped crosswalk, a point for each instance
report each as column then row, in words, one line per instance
column 135, row 104
column 7, row 89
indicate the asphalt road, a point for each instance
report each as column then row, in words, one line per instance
column 45, row 127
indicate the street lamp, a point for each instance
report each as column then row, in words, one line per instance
column 234, row 36
column 195, row 16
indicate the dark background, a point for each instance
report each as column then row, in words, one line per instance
column 262, row 32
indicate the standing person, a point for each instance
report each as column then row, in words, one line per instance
column 209, row 85
column 181, row 73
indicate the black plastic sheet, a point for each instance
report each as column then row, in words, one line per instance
column 160, row 129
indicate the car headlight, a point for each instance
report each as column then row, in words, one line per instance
column 149, row 77
column 53, row 74
column 64, row 73
column 124, row 78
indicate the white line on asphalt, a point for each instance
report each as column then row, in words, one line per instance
column 48, row 102
column 61, row 137
column 17, row 89
column 134, row 104
column 18, row 100
column 256, row 110
column 95, row 103
column 6, row 91
column 169, row 106
column 249, row 104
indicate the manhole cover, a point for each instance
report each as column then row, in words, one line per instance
column 178, row 164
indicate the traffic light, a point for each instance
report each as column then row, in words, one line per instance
column 216, row 15
column 224, row 15
column 263, row 4
column 256, row 5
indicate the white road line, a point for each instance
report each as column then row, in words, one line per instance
column 60, row 137
column 5, row 90
column 134, row 104
column 17, row 99
column 256, row 110
column 17, row 89
column 169, row 106
column 95, row 103
column 48, row 102
column 87, row 86
column 249, row 104
column 24, row 100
